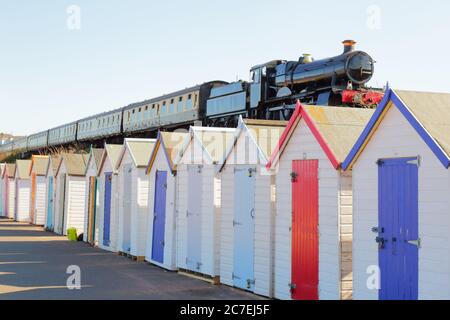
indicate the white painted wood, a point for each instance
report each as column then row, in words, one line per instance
column 23, row 200
column 304, row 146
column 393, row 139
column 160, row 164
column 210, row 237
column 11, row 212
column 40, row 201
column 244, row 153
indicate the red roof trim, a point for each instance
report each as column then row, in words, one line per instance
column 298, row 114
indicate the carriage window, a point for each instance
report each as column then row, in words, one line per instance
column 180, row 104
column 172, row 106
column 163, row 108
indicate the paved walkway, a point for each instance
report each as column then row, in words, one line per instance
column 33, row 265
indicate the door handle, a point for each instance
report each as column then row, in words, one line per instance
column 416, row 243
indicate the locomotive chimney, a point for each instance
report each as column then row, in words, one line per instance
column 349, row 45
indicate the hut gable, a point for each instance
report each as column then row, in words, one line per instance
column 428, row 113
column 207, row 145
column 23, row 169
column 39, row 165
column 335, row 129
column 139, row 150
column 112, row 153
column 9, row 171
column 94, row 158
column 75, row 164
column 171, row 143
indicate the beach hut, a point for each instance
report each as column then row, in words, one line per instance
column 38, row 170
column 2, row 190
column 198, row 200
column 50, row 201
column 23, row 191
column 108, row 184
column 92, row 196
column 401, row 199
column 9, row 190
column 247, row 215
column 161, row 235
column 70, row 193
column 133, row 196
column 313, row 224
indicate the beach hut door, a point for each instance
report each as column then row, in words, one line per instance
column 33, row 199
column 305, row 220
column 62, row 201
column 159, row 217
column 194, row 219
column 127, row 186
column 107, row 210
column 50, row 204
column 398, row 238
column 244, row 228
column 92, row 209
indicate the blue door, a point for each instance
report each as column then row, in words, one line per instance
column 398, row 237
column 159, row 216
column 107, row 211
column 194, row 218
column 50, row 204
column 244, row 227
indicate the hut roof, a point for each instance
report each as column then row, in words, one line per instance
column 23, row 169
column 39, row 164
column 139, row 149
column 171, row 143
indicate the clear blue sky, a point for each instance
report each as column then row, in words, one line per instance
column 127, row 51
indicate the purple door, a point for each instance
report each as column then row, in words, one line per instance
column 159, row 216
column 398, row 238
column 107, row 211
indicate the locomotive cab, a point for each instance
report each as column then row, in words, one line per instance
column 262, row 85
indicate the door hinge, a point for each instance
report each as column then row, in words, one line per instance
column 235, row 223
column 292, row 286
column 234, row 276
column 294, row 176
column 415, row 161
column 379, row 162
column 250, row 282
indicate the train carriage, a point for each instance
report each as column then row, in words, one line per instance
column 37, row 141
column 100, row 126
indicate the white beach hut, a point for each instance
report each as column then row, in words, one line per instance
column 38, row 170
column 247, row 215
column 9, row 190
column 2, row 190
column 92, row 197
column 108, row 184
column 161, row 235
column 401, row 199
column 313, row 232
column 133, row 196
column 50, row 200
column 23, row 191
column 70, row 193
column 198, row 200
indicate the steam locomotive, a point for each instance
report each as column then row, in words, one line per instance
column 276, row 86
column 271, row 94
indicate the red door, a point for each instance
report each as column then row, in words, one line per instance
column 305, row 220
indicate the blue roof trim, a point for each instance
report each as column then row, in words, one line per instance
column 429, row 140
column 392, row 96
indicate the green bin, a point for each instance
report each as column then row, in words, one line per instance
column 72, row 234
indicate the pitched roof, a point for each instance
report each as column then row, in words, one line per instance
column 171, row 143
column 335, row 128
column 214, row 142
column 264, row 133
column 139, row 150
column 427, row 112
column 95, row 155
column 23, row 169
column 10, row 170
column 74, row 163
column 39, row 164
column 112, row 152
column 54, row 163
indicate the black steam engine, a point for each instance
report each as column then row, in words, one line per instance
column 277, row 85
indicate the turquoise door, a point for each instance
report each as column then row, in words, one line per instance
column 244, row 228
column 49, row 223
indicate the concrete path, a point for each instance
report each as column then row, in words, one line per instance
column 33, row 265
